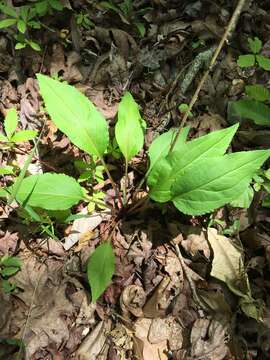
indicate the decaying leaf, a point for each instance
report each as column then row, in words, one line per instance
column 208, row 340
column 94, row 344
column 149, row 351
column 228, row 266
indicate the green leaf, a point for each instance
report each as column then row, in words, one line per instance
column 266, row 201
column 244, row 200
column 167, row 169
column 100, row 269
column 49, row 191
column 129, row 132
column 3, row 138
column 246, row 60
column 55, row 4
column 9, row 271
column 11, row 122
column 215, row 181
column 7, row 22
column 21, row 26
column 24, row 135
column 255, row 45
column 160, row 169
column 20, row 46
column 263, row 62
column 34, row 45
column 257, row 92
column 8, row 10
column 7, row 286
column 141, row 28
column 252, row 110
column 160, row 146
column 75, row 115
column 11, row 261
column 6, row 170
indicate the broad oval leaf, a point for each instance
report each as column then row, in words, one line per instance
column 100, row 269
column 263, row 62
column 49, row 191
column 129, row 131
column 255, row 45
column 252, row 110
column 215, row 181
column 75, row 115
column 257, row 92
column 189, row 154
column 11, row 122
column 246, row 60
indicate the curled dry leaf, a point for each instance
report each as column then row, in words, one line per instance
column 132, row 300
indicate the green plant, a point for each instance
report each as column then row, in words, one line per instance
column 197, row 175
column 84, row 20
column 9, row 265
column 253, row 107
column 248, row 60
column 183, row 108
column 12, row 136
column 127, row 13
column 27, row 17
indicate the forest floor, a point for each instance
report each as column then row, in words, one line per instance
column 164, row 301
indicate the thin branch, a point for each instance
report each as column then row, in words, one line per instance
column 227, row 34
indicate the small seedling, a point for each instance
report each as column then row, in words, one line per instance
column 127, row 13
column 183, row 108
column 255, row 58
column 26, row 18
column 253, row 107
column 9, row 265
column 12, row 136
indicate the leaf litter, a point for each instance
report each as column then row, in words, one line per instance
column 207, row 301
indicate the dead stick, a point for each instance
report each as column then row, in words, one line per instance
column 227, row 34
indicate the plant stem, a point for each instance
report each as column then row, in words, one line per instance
column 97, row 202
column 227, row 34
column 111, row 179
column 125, row 183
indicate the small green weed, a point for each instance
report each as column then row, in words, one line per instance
column 255, row 58
column 9, row 265
column 127, row 13
column 25, row 18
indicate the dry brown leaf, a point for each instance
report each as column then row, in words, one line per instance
column 66, row 68
column 94, row 344
column 8, row 242
column 82, row 228
column 208, row 340
column 44, row 294
column 195, row 243
column 149, row 351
